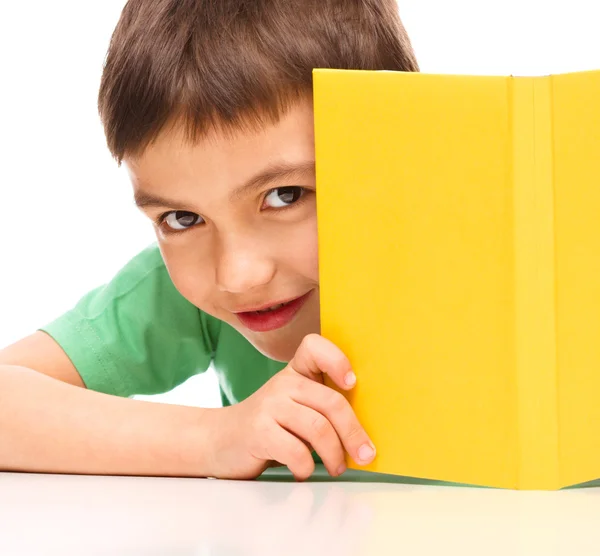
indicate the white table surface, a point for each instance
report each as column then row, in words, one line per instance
column 64, row 514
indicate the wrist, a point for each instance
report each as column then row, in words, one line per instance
column 201, row 441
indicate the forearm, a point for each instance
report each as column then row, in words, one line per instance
column 49, row 426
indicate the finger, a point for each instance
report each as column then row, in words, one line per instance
column 284, row 447
column 314, row 428
column 316, row 356
column 336, row 408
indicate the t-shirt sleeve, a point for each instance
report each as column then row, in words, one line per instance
column 136, row 334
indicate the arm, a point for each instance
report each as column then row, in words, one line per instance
column 40, row 352
column 50, row 426
column 58, row 406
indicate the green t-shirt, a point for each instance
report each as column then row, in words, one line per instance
column 139, row 335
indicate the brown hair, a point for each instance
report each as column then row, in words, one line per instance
column 234, row 63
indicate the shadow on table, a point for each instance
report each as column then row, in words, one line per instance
column 283, row 475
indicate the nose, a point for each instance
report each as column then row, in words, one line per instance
column 242, row 264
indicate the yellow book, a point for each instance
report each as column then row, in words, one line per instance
column 459, row 241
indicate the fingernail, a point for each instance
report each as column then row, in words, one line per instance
column 366, row 452
column 350, row 379
column 341, row 469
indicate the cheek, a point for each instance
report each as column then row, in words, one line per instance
column 303, row 252
column 192, row 279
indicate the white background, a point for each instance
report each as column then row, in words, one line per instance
column 67, row 221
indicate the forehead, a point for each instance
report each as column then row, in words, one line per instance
column 225, row 157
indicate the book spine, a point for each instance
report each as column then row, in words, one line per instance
column 536, row 360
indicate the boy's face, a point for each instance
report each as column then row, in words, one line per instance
column 235, row 218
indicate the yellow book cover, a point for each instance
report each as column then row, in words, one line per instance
column 459, row 253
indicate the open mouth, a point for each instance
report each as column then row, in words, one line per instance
column 273, row 317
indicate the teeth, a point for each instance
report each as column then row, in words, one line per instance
column 274, row 308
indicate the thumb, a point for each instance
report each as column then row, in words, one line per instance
column 317, row 356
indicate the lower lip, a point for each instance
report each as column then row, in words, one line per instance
column 264, row 322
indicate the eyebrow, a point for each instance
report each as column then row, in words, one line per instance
column 274, row 172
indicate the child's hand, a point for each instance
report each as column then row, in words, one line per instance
column 291, row 413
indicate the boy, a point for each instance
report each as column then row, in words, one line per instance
column 208, row 105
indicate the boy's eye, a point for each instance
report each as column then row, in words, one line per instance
column 284, row 196
column 181, row 219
